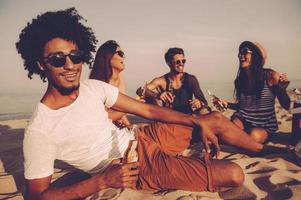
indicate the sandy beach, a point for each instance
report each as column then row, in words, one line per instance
column 274, row 176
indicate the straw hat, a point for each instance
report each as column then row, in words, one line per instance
column 262, row 51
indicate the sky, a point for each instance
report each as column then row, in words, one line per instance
column 209, row 31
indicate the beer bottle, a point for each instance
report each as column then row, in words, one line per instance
column 131, row 154
column 170, row 90
column 217, row 102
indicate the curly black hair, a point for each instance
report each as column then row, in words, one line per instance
column 64, row 24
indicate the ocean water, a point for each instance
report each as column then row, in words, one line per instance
column 18, row 105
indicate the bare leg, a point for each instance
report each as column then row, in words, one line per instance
column 231, row 133
column 226, row 174
column 238, row 123
column 259, row 134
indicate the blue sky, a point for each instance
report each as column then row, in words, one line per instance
column 209, row 31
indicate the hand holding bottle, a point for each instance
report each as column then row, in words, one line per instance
column 195, row 104
column 283, row 81
column 131, row 154
column 141, row 90
column 198, row 107
column 167, row 97
column 217, row 102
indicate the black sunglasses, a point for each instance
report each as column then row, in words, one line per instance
column 245, row 51
column 180, row 61
column 59, row 59
column 120, row 53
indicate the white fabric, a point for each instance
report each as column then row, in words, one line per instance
column 80, row 134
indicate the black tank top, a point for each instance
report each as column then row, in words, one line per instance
column 182, row 95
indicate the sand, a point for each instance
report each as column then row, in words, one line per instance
column 274, row 176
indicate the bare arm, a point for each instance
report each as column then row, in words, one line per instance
column 116, row 175
column 39, row 189
column 156, row 83
column 148, row 91
column 279, row 83
column 152, row 112
column 231, row 105
column 197, row 92
column 116, row 115
column 159, row 84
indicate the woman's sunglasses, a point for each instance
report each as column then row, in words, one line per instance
column 120, row 53
column 245, row 51
column 180, row 61
column 59, row 59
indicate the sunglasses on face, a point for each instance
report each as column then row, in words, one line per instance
column 120, row 53
column 245, row 51
column 59, row 59
column 177, row 62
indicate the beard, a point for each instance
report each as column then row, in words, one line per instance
column 66, row 91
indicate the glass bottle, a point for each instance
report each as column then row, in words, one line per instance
column 131, row 154
column 217, row 102
column 171, row 91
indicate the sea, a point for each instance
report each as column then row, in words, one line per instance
column 20, row 105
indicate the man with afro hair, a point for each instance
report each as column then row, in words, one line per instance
column 70, row 124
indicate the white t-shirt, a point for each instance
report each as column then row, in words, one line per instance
column 80, row 134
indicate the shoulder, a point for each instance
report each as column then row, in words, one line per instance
column 191, row 78
column 35, row 133
column 159, row 81
column 95, row 89
column 40, row 118
column 92, row 84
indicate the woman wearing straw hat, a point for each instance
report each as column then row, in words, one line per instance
column 255, row 90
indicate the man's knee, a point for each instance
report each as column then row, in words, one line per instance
column 227, row 174
column 238, row 176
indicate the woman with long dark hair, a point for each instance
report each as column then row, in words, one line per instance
column 255, row 90
column 107, row 67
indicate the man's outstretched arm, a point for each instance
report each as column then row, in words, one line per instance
column 152, row 112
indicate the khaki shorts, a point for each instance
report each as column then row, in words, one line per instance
column 162, row 167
